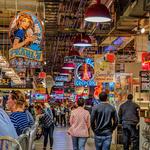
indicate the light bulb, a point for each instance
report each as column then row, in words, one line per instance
column 143, row 30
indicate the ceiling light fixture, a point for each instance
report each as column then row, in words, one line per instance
column 97, row 13
column 68, row 66
column 143, row 30
column 82, row 40
column 65, row 72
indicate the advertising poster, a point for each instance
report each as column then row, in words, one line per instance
column 26, row 35
column 103, row 71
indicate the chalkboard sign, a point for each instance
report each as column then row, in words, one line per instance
column 145, row 81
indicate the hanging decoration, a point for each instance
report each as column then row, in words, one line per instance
column 26, row 35
column 84, row 73
column 97, row 13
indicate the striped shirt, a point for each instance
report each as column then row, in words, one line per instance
column 21, row 121
column 80, row 122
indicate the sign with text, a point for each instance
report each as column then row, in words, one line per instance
column 103, row 71
column 26, row 35
column 25, row 53
column 145, row 80
column 61, row 78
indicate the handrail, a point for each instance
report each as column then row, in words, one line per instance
column 10, row 139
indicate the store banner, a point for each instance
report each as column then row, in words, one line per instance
column 103, row 71
column 25, row 53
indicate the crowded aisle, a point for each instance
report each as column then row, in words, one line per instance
column 74, row 74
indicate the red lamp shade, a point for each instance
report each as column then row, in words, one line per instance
column 82, row 40
column 42, row 75
column 65, row 72
column 97, row 13
column 68, row 66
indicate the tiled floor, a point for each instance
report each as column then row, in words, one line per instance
column 62, row 141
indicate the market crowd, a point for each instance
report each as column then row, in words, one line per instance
column 101, row 119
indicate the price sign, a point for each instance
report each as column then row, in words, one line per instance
column 145, row 80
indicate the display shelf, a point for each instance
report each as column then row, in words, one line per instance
column 144, row 135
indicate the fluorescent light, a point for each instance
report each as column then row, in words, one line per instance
column 97, row 19
column 82, row 45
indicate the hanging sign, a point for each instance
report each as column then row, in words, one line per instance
column 26, row 34
column 145, row 80
column 84, row 73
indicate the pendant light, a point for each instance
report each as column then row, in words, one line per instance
column 68, row 66
column 82, row 40
column 97, row 13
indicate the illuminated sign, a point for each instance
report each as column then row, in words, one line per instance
column 61, row 78
column 59, row 83
column 75, row 59
column 39, row 96
column 26, row 35
column 20, row 63
column 25, row 53
column 84, row 73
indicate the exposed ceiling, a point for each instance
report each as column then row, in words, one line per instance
column 64, row 19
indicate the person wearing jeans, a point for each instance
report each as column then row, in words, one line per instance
column 104, row 120
column 103, row 141
column 47, row 123
column 48, row 132
column 79, row 143
column 80, row 124
column 129, row 118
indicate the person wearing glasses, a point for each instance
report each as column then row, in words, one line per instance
column 16, row 104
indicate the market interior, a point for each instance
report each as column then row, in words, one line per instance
column 57, row 51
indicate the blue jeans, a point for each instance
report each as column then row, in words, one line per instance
column 103, row 142
column 48, row 132
column 79, row 143
column 130, row 133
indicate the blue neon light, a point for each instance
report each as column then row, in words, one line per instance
column 78, row 81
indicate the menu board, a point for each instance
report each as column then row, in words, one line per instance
column 145, row 81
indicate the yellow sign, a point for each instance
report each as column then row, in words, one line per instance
column 103, row 71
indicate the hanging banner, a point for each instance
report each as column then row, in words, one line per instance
column 25, row 53
column 103, row 71
column 26, row 35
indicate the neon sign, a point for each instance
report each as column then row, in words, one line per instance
column 84, row 73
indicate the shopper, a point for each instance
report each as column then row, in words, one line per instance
column 57, row 112
column 80, row 124
column 129, row 118
column 16, row 103
column 104, row 121
column 62, row 115
column 47, row 123
column 6, row 126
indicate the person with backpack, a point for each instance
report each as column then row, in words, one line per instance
column 47, row 123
